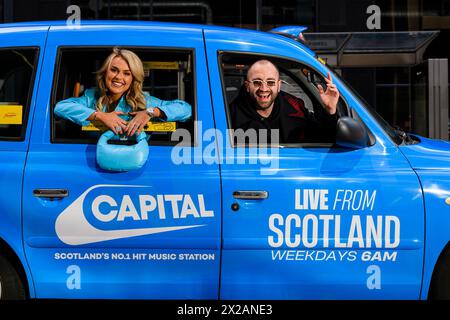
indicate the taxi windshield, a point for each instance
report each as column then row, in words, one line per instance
column 394, row 134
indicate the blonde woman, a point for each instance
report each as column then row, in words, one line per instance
column 119, row 93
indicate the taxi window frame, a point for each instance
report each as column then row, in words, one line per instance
column 26, row 109
column 222, row 53
column 92, row 141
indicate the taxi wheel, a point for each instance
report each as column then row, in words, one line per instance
column 440, row 282
column 11, row 287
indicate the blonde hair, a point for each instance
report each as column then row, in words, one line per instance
column 135, row 96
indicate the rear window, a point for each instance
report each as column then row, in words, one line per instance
column 17, row 71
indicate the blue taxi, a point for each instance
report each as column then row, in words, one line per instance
column 364, row 217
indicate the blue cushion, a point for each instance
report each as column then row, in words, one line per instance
column 115, row 157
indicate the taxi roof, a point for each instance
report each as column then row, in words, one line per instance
column 46, row 25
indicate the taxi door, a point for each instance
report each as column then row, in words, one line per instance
column 21, row 53
column 312, row 221
column 150, row 233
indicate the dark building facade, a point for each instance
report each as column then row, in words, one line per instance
column 390, row 51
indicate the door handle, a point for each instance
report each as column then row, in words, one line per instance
column 51, row 193
column 251, row 195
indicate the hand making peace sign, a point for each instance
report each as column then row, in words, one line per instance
column 330, row 96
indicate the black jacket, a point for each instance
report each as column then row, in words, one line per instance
column 289, row 115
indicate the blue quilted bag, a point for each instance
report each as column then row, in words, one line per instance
column 116, row 154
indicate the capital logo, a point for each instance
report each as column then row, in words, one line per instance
column 73, row 228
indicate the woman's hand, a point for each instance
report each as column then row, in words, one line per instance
column 137, row 124
column 112, row 121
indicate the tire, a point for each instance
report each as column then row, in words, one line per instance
column 440, row 282
column 11, row 286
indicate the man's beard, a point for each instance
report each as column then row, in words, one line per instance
column 259, row 107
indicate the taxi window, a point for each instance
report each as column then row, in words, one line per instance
column 169, row 75
column 298, row 82
column 16, row 87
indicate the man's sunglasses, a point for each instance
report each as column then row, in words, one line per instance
column 259, row 83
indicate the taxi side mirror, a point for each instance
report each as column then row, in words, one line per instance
column 351, row 134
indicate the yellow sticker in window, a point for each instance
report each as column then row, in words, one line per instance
column 161, row 126
column 322, row 60
column 150, row 127
column 10, row 114
column 161, row 65
column 94, row 126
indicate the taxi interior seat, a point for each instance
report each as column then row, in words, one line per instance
column 69, row 85
column 16, row 84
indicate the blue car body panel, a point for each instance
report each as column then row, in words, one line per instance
column 430, row 159
column 338, row 223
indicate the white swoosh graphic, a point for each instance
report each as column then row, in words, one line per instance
column 72, row 227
